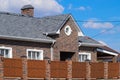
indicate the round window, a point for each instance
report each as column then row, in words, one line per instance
column 68, row 30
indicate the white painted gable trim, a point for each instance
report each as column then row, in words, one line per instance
column 107, row 52
column 80, row 33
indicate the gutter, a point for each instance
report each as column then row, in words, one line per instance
column 51, row 33
column 27, row 39
column 52, row 51
column 107, row 52
column 90, row 44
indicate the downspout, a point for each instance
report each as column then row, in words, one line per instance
column 52, row 50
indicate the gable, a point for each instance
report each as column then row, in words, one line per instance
column 71, row 19
column 65, row 42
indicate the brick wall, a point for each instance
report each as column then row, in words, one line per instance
column 89, row 50
column 66, row 43
column 19, row 47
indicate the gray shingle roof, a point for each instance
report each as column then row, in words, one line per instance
column 86, row 39
column 21, row 26
column 52, row 24
column 108, row 49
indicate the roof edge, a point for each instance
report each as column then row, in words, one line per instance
column 107, row 52
column 64, row 21
column 27, row 39
column 89, row 44
column 80, row 32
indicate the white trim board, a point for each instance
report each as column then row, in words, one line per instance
column 107, row 52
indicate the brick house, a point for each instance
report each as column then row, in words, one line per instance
column 56, row 37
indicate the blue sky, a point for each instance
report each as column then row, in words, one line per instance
column 104, row 11
column 102, row 16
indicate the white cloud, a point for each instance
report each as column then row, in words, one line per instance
column 108, row 31
column 42, row 7
column 97, row 25
column 70, row 6
column 83, row 8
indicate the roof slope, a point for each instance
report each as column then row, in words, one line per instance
column 20, row 26
column 52, row 24
column 87, row 40
column 17, row 25
column 108, row 49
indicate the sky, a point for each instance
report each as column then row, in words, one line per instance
column 98, row 19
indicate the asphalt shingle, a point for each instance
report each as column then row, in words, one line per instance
column 86, row 39
column 17, row 25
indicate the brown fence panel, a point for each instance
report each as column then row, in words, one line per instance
column 78, row 70
column 58, row 69
column 113, row 70
column 97, row 70
column 12, row 67
column 36, row 69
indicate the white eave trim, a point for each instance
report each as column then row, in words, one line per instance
column 80, row 33
column 27, row 39
column 52, row 33
column 90, row 44
column 107, row 52
column 58, row 32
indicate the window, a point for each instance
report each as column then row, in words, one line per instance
column 6, row 52
column 35, row 54
column 84, row 56
column 68, row 30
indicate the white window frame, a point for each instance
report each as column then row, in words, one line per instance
column 69, row 31
column 85, row 53
column 9, row 53
column 35, row 50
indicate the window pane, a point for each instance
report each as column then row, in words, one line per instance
column 38, row 55
column 29, row 54
column 2, row 52
column 6, row 53
column 33, row 55
column 86, row 57
column 83, row 57
column 80, row 58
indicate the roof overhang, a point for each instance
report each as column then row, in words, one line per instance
column 90, row 45
column 52, row 33
column 107, row 52
column 80, row 33
column 27, row 39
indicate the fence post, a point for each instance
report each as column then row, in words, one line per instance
column 47, row 64
column 69, row 69
column 105, row 70
column 119, row 70
column 24, row 68
column 1, row 68
column 88, row 70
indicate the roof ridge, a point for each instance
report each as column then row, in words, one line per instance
column 54, row 16
column 16, row 14
column 21, row 15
